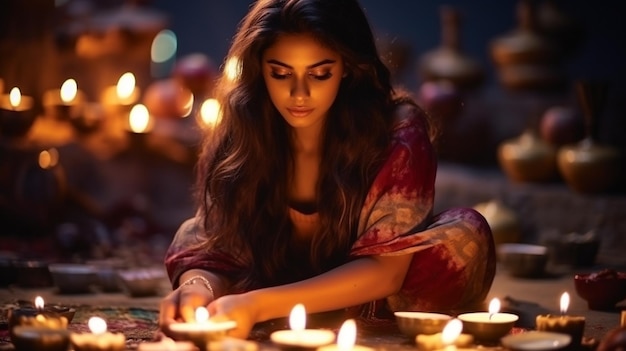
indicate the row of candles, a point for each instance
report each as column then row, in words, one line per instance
column 69, row 102
column 42, row 329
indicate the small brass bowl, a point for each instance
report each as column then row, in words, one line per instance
column 414, row 323
column 488, row 328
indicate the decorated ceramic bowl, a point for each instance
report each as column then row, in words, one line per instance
column 602, row 290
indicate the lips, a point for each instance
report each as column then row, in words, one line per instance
column 300, row 111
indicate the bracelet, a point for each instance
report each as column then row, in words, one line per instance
column 202, row 280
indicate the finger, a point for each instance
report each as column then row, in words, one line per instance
column 190, row 299
column 168, row 311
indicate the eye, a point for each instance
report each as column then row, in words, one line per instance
column 279, row 75
column 321, row 75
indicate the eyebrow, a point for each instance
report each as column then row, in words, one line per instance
column 317, row 64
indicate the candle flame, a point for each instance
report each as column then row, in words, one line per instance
column 451, row 331
column 202, row 314
column 39, row 302
column 494, row 307
column 347, row 335
column 210, row 112
column 564, row 302
column 69, row 90
column 48, row 158
column 126, row 85
column 97, row 325
column 297, row 318
column 139, row 118
column 15, row 97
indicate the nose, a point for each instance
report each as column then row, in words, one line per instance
column 300, row 89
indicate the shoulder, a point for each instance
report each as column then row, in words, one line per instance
column 409, row 120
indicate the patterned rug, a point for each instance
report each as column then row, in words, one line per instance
column 136, row 324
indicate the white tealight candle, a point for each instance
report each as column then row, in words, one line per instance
column 449, row 339
column 300, row 337
column 99, row 339
column 203, row 331
column 488, row 326
column 346, row 339
column 65, row 103
column 565, row 324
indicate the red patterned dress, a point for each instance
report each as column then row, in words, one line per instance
column 453, row 252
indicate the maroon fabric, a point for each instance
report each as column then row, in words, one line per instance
column 454, row 259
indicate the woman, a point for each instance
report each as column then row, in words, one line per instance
column 317, row 185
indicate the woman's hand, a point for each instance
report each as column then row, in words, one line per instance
column 181, row 304
column 240, row 308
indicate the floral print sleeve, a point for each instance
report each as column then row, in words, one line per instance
column 185, row 253
column 400, row 200
column 453, row 263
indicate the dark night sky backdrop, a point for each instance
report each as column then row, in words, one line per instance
column 207, row 26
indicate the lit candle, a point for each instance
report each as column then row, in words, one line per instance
column 139, row 126
column 202, row 331
column 99, row 339
column 39, row 316
column 488, row 326
column 346, row 339
column 166, row 344
column 40, row 332
column 118, row 99
column 65, row 103
column 139, row 120
column 298, row 336
column 16, row 113
column 449, row 339
column 571, row 325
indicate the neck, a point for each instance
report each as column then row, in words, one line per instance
column 307, row 141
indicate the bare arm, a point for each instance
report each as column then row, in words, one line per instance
column 362, row 280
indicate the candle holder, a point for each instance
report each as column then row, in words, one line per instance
column 28, row 338
column 412, row 324
column 57, row 108
column 300, row 340
column 16, row 120
column 488, row 327
column 574, row 326
column 536, row 340
column 99, row 339
column 201, row 334
column 89, row 120
column 51, row 316
column 432, row 342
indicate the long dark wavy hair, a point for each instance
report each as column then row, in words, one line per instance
column 246, row 160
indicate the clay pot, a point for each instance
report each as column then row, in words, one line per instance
column 441, row 99
column 503, row 221
column 196, row 72
column 527, row 158
column 560, row 125
column 590, row 166
column 448, row 62
column 525, row 59
column 168, row 98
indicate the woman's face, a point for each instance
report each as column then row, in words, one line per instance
column 302, row 78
